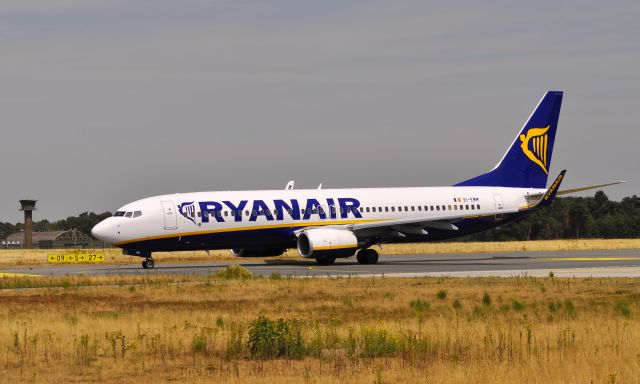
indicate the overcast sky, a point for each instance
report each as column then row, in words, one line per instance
column 106, row 102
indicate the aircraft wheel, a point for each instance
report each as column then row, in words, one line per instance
column 325, row 260
column 148, row 263
column 367, row 256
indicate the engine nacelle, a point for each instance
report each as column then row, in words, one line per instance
column 257, row 252
column 328, row 242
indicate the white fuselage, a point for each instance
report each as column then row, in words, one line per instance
column 236, row 218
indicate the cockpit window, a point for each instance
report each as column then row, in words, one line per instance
column 128, row 214
column 137, row 214
column 119, row 213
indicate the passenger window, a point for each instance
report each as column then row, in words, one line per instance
column 419, row 207
column 361, row 209
column 393, row 209
column 443, row 207
column 432, row 207
column 455, row 207
column 437, row 207
column 466, row 206
column 302, row 211
column 386, row 209
column 367, row 209
column 137, row 214
column 478, row 206
column 413, row 208
column 449, row 207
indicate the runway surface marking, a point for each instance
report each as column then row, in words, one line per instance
column 570, row 272
column 3, row 274
column 316, row 269
column 587, row 258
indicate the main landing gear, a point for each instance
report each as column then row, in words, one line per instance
column 148, row 263
column 367, row 256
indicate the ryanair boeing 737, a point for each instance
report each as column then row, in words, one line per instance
column 325, row 224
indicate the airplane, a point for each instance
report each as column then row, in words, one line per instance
column 325, row 224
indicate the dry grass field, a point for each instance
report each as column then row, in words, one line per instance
column 225, row 328
column 20, row 257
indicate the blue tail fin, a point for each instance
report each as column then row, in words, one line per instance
column 526, row 163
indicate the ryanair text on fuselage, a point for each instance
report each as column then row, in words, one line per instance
column 212, row 210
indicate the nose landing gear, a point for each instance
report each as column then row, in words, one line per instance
column 148, row 263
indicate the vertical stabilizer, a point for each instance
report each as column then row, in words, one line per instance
column 526, row 163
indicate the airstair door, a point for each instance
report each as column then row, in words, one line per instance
column 170, row 216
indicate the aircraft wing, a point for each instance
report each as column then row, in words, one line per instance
column 443, row 221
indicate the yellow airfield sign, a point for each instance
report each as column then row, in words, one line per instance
column 76, row 258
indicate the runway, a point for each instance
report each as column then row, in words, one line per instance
column 614, row 263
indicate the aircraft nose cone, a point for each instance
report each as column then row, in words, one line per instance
column 103, row 231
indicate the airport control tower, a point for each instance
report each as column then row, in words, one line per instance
column 28, row 206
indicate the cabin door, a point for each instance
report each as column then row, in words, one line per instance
column 170, row 216
column 499, row 205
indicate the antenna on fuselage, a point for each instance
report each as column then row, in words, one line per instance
column 290, row 185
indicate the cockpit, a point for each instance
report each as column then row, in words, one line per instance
column 130, row 214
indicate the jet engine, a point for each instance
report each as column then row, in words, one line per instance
column 327, row 242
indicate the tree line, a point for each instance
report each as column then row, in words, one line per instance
column 568, row 218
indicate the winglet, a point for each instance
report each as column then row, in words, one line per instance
column 548, row 197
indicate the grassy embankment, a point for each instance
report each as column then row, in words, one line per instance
column 39, row 256
column 347, row 330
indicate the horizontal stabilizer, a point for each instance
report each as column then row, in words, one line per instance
column 580, row 189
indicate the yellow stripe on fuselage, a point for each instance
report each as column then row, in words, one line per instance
column 251, row 228
column 330, row 247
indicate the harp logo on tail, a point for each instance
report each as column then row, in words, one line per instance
column 534, row 146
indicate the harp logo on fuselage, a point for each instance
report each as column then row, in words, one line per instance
column 277, row 210
column 534, row 145
column 188, row 210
